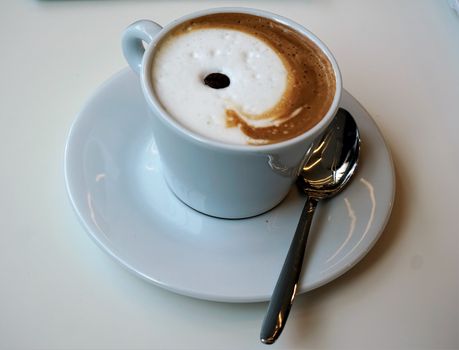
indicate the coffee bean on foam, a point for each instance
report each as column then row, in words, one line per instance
column 278, row 83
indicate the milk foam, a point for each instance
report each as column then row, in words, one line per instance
column 257, row 74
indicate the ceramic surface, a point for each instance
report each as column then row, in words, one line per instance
column 114, row 180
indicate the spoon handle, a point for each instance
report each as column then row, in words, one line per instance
column 284, row 292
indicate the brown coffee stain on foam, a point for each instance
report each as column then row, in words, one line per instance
column 310, row 77
column 291, row 127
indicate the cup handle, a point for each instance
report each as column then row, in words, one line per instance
column 133, row 36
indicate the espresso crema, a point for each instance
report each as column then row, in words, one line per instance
column 242, row 79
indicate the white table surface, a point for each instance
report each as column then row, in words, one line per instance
column 59, row 290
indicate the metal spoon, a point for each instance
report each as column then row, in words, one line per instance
column 329, row 169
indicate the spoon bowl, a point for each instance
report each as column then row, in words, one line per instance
column 333, row 160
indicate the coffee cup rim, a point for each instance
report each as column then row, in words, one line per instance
column 147, row 85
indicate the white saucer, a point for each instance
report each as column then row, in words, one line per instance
column 114, row 181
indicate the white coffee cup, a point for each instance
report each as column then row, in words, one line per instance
column 216, row 178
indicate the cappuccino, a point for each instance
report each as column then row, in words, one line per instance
column 242, row 79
